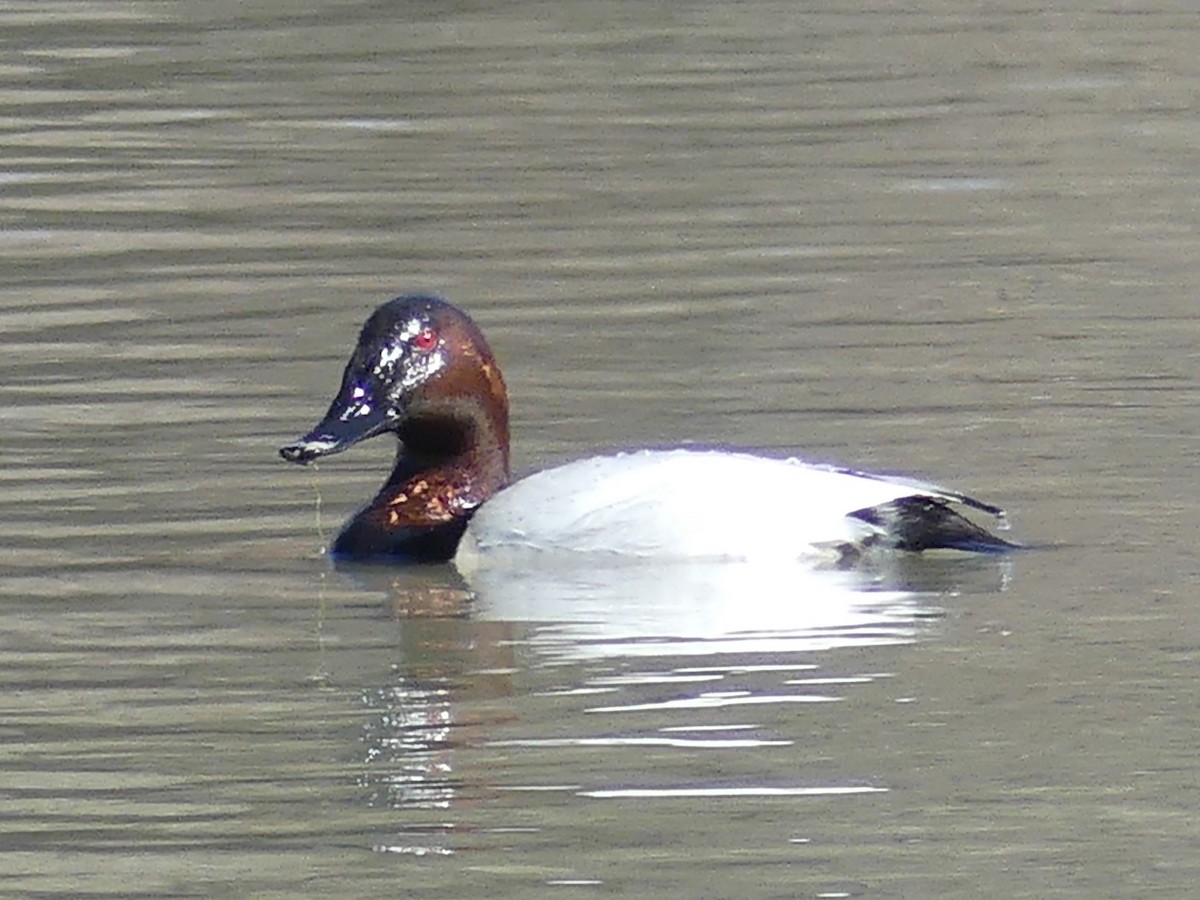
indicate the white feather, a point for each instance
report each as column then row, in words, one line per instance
column 684, row 504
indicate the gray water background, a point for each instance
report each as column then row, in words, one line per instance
column 955, row 240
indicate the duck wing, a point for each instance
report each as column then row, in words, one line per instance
column 692, row 504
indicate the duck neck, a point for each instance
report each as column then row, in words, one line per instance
column 448, row 463
column 465, row 452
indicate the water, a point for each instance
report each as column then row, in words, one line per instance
column 950, row 241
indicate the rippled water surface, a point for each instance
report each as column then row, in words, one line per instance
column 956, row 241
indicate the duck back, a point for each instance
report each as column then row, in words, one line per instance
column 686, row 504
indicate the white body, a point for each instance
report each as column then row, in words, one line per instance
column 683, row 505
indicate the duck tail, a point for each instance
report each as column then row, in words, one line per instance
column 921, row 522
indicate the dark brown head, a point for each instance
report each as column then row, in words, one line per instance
column 423, row 370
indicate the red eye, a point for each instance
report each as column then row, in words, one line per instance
column 425, row 339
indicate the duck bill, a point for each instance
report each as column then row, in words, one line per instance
column 352, row 417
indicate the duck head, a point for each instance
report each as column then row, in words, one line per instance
column 422, row 370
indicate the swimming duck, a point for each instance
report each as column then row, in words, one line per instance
column 423, row 370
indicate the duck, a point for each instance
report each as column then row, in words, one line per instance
column 423, row 371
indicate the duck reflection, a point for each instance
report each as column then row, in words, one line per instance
column 623, row 608
column 462, row 643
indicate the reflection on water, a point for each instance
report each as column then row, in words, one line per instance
column 675, row 647
column 631, row 609
column 408, row 748
column 644, row 793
